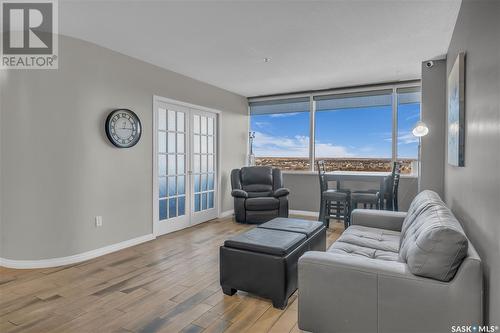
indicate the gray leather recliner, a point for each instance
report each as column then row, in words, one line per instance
column 258, row 194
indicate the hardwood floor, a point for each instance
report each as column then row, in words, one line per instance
column 170, row 284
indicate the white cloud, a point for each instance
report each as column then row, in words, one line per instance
column 407, row 138
column 262, row 124
column 283, row 115
column 404, row 138
column 297, row 146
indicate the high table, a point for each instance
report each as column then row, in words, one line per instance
column 358, row 176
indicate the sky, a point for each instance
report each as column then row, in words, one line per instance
column 357, row 132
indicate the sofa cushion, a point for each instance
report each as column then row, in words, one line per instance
column 262, row 203
column 267, row 241
column 423, row 201
column 368, row 242
column 379, row 239
column 305, row 227
column 434, row 243
column 349, row 249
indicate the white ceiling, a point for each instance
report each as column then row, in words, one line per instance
column 312, row 45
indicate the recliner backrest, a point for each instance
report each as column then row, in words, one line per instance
column 257, row 181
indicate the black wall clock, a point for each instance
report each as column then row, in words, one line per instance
column 123, row 128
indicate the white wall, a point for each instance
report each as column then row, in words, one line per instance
column 58, row 168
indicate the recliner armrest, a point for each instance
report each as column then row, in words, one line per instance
column 382, row 219
column 239, row 194
column 281, row 192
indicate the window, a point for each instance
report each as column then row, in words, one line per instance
column 354, row 131
column 281, row 133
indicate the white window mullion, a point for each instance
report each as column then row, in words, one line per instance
column 394, row 125
column 312, row 139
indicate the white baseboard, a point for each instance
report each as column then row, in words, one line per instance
column 304, row 213
column 54, row 262
column 227, row 213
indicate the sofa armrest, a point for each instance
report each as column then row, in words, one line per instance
column 382, row 219
column 239, row 194
column 281, row 192
column 345, row 293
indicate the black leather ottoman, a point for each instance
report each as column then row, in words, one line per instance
column 316, row 235
column 263, row 261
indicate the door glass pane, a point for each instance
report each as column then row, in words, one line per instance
column 162, row 119
column 162, row 142
column 196, row 144
column 204, row 144
column 203, row 125
column 171, row 142
column 210, row 130
column 210, row 199
column 163, row 209
column 171, row 120
column 180, row 143
column 203, row 182
column 163, row 187
column 180, row 185
column 171, row 164
column 196, row 162
column 162, row 165
column 180, row 122
column 172, row 207
column 171, row 186
column 181, row 206
column 210, row 163
column 211, row 181
column 204, row 201
column 180, row 164
column 210, row 144
column 197, row 183
column 196, row 124
column 203, row 163
column 197, row 202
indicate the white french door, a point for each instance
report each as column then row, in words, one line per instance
column 185, row 185
column 204, row 165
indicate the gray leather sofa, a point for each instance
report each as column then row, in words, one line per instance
column 258, row 194
column 394, row 272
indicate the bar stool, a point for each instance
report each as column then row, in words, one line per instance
column 335, row 203
column 374, row 199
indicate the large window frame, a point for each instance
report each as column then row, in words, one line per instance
column 365, row 89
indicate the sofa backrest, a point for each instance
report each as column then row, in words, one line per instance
column 433, row 243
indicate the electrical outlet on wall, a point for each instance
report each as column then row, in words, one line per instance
column 98, row 221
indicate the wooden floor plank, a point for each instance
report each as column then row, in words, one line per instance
column 170, row 284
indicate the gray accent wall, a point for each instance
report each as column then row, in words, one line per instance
column 473, row 191
column 58, row 169
column 433, row 106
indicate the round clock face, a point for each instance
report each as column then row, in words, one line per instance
column 123, row 128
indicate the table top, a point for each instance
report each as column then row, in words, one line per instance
column 359, row 173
